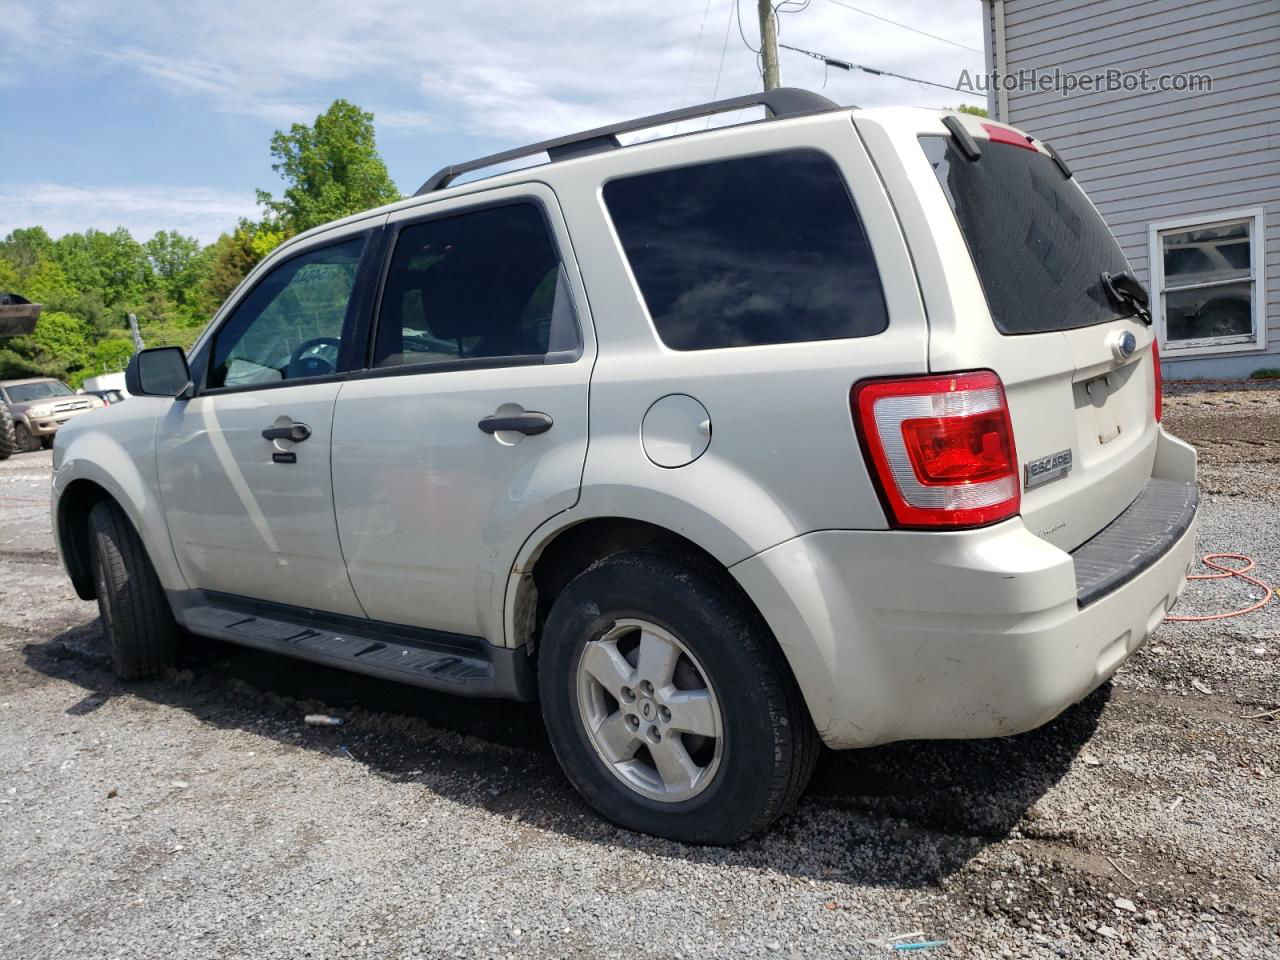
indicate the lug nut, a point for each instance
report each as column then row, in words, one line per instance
column 646, row 688
column 633, row 721
column 628, row 694
column 654, row 735
column 665, row 714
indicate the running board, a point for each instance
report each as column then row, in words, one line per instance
column 467, row 666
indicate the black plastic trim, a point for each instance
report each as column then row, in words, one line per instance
column 963, row 138
column 434, row 659
column 1146, row 530
column 1057, row 158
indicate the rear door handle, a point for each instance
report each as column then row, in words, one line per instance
column 297, row 432
column 530, row 424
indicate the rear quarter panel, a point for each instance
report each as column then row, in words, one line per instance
column 783, row 457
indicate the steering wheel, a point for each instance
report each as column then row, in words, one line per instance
column 314, row 366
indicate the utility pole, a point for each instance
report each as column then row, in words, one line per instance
column 768, row 44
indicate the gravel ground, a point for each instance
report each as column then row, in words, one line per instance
column 198, row 817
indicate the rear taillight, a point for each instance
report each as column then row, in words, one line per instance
column 1158, row 378
column 941, row 448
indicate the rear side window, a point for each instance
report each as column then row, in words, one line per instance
column 1037, row 242
column 754, row 250
column 482, row 285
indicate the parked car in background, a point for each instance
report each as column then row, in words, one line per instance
column 39, row 406
column 855, row 439
column 107, row 396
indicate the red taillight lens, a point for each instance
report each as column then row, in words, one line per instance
column 941, row 448
column 1158, row 376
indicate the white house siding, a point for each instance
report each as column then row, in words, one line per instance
column 1152, row 156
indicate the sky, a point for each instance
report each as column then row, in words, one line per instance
column 158, row 115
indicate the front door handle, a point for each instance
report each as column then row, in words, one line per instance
column 530, row 424
column 288, row 430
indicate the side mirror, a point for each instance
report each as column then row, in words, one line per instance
column 159, row 372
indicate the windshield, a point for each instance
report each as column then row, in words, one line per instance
column 1038, row 244
column 26, row 392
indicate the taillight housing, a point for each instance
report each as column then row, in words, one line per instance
column 1158, row 378
column 941, row 448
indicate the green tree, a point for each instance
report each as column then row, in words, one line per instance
column 114, row 264
column 331, row 170
column 59, row 347
column 176, row 265
column 25, row 248
column 972, row 110
column 109, row 356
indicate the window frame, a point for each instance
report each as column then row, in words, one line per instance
column 391, row 237
column 1258, row 277
column 349, row 355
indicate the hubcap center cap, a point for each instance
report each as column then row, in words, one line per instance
column 648, row 710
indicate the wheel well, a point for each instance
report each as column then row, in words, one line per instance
column 576, row 548
column 73, row 532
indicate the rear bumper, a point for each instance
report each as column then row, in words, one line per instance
column 898, row 635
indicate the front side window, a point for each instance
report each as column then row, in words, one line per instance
column 483, row 285
column 291, row 324
column 749, row 251
column 1208, row 282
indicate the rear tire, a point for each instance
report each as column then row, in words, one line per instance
column 625, row 739
column 136, row 617
column 8, row 442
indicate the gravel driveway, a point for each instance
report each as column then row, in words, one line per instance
column 199, row 817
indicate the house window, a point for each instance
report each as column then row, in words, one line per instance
column 1208, row 279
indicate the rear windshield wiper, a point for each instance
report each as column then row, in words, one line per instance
column 1124, row 289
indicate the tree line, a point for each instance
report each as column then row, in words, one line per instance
column 90, row 282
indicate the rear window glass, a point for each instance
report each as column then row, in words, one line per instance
column 749, row 251
column 1038, row 244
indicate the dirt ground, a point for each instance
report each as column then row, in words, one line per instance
column 197, row 816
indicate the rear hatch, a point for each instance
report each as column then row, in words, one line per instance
column 1076, row 359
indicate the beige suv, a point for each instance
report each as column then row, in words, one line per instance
column 838, row 427
column 39, row 406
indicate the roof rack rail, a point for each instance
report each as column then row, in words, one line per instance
column 780, row 102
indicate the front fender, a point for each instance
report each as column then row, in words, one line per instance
column 121, row 461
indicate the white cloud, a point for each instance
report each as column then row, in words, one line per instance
column 509, row 70
column 60, row 209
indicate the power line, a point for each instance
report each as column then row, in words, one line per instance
column 904, row 26
column 846, row 65
column 723, row 49
column 697, row 47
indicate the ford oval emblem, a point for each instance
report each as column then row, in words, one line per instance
column 1123, row 344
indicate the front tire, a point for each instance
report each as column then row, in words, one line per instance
column 668, row 703
column 136, row 617
column 23, row 440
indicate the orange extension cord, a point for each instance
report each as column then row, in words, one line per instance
column 1210, row 560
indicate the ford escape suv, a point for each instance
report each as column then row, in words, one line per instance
column 836, row 426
